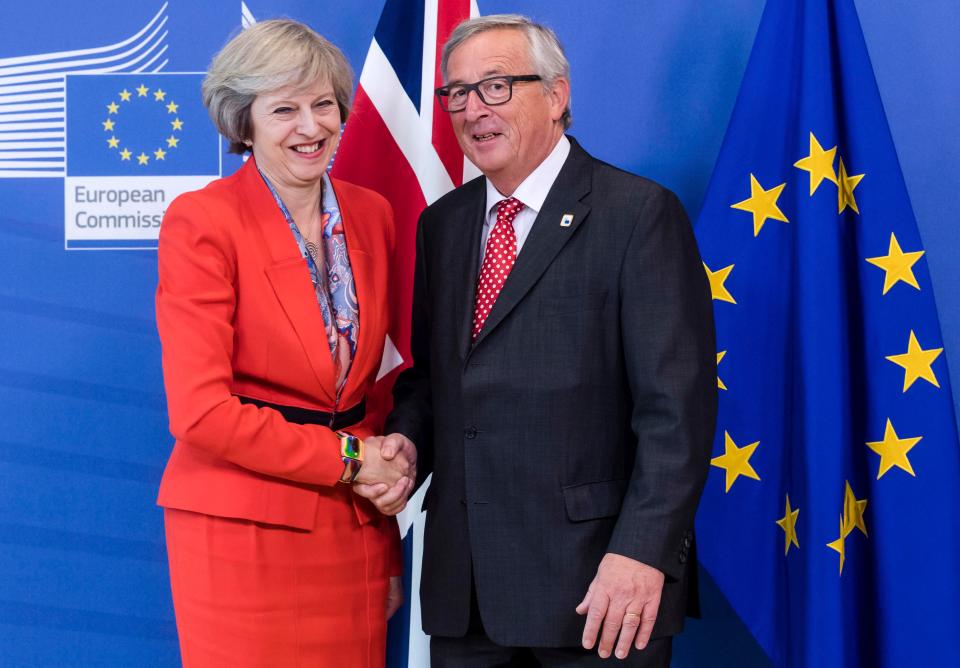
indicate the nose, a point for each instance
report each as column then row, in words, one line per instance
column 475, row 107
column 306, row 122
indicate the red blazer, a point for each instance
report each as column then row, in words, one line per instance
column 237, row 315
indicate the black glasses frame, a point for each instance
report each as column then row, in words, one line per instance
column 443, row 93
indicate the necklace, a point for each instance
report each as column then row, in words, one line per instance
column 313, row 249
column 311, row 241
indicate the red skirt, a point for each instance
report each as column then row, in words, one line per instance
column 250, row 594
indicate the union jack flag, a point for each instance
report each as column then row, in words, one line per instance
column 399, row 143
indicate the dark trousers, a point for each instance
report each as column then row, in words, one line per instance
column 476, row 650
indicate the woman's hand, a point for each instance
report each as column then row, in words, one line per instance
column 394, row 595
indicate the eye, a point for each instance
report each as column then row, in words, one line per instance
column 323, row 103
column 457, row 93
column 496, row 86
column 282, row 110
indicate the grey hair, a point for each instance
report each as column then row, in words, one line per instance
column 267, row 56
column 546, row 53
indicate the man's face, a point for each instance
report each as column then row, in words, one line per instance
column 506, row 142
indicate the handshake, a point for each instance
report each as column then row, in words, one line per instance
column 389, row 472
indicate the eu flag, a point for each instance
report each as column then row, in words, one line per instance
column 829, row 519
column 139, row 125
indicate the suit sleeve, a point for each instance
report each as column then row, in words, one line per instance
column 669, row 349
column 195, row 305
column 412, row 413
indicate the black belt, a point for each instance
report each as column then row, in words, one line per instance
column 297, row 415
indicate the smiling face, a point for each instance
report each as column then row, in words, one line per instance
column 506, row 142
column 295, row 133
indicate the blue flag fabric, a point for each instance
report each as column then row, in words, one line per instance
column 139, row 125
column 829, row 519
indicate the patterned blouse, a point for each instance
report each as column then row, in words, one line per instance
column 334, row 286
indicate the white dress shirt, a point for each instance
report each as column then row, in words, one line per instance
column 532, row 192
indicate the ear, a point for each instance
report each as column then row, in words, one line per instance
column 559, row 95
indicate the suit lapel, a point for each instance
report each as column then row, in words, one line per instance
column 289, row 278
column 466, row 256
column 547, row 236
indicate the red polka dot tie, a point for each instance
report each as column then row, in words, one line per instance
column 498, row 260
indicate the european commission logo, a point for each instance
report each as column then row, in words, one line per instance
column 125, row 136
column 134, row 142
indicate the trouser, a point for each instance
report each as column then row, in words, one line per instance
column 476, row 650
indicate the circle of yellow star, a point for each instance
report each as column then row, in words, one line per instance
column 717, row 279
column 143, row 158
column 897, row 265
column 762, row 204
column 819, row 163
column 789, row 525
column 735, row 461
column 845, row 189
column 917, row 363
column 893, row 451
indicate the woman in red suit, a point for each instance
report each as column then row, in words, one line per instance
column 271, row 308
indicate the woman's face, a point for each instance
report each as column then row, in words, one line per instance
column 295, row 133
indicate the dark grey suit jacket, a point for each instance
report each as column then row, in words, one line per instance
column 581, row 420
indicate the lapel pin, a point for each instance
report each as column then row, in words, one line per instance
column 567, row 220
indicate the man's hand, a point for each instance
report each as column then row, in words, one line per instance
column 624, row 597
column 394, row 595
column 389, row 497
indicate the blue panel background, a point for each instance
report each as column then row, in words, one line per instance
column 82, row 562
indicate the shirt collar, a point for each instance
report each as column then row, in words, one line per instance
column 329, row 202
column 533, row 190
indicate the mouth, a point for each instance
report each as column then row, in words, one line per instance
column 309, row 149
column 486, row 137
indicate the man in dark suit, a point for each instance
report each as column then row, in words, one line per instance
column 563, row 388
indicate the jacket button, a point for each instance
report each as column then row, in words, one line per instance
column 470, row 432
column 686, row 541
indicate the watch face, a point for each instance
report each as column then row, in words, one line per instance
column 351, row 447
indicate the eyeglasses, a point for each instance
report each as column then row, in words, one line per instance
column 492, row 91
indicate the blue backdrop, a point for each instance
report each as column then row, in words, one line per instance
column 82, row 563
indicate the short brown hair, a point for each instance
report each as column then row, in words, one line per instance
column 267, row 56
